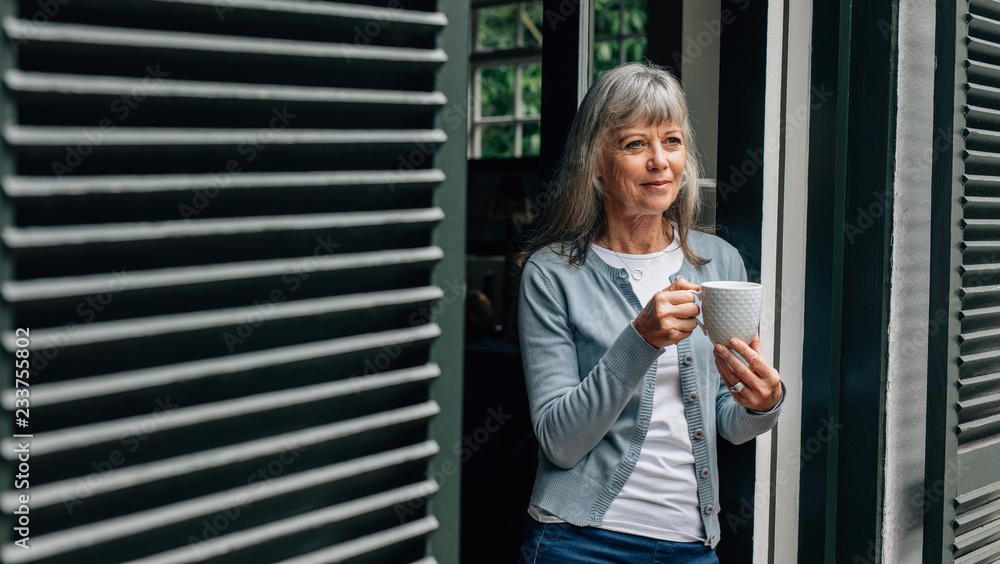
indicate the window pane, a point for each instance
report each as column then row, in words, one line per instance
column 531, row 90
column 606, row 17
column 533, row 32
column 497, row 27
column 531, row 139
column 605, row 56
column 497, row 93
column 635, row 49
column 635, row 16
column 497, row 141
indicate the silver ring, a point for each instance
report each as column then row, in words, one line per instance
column 737, row 388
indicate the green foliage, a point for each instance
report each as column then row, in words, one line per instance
column 498, row 140
column 635, row 49
column 605, row 55
column 531, row 90
column 497, row 91
column 635, row 16
column 607, row 17
column 497, row 26
column 531, row 139
column 533, row 11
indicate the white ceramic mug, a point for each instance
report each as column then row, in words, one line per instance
column 730, row 309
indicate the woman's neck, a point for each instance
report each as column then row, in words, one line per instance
column 638, row 236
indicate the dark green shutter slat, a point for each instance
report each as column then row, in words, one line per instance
column 984, row 50
column 368, row 544
column 329, row 9
column 69, row 84
column 81, row 235
column 983, row 78
column 151, row 327
column 62, row 136
column 90, row 35
column 982, row 139
column 981, row 185
column 36, row 187
column 979, row 116
column 986, row 8
column 63, row 287
column 982, row 206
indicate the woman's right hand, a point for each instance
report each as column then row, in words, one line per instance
column 668, row 318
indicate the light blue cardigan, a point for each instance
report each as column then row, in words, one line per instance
column 590, row 379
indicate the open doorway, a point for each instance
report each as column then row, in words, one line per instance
column 520, row 106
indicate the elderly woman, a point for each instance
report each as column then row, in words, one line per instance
column 625, row 397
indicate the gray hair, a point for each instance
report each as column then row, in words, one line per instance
column 624, row 95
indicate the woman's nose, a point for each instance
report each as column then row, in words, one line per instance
column 657, row 157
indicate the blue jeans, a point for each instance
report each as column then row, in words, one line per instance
column 562, row 543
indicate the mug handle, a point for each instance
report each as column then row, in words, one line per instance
column 697, row 295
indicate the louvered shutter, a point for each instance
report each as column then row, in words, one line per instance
column 971, row 476
column 219, row 225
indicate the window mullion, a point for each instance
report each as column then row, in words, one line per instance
column 477, row 112
column 477, row 94
column 477, row 142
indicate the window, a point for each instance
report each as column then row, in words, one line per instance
column 505, row 93
column 506, row 90
column 619, row 33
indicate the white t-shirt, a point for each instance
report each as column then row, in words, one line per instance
column 660, row 498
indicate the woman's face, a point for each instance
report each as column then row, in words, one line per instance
column 642, row 166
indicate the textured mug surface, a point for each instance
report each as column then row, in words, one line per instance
column 730, row 309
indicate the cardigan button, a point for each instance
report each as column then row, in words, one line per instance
column 705, row 473
column 688, row 359
column 710, row 510
column 692, row 397
column 699, row 434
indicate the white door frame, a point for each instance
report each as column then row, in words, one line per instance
column 786, row 158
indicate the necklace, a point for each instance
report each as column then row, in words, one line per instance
column 637, row 273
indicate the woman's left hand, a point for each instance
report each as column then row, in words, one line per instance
column 761, row 389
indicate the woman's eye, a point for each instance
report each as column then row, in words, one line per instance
column 674, row 141
column 634, row 145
